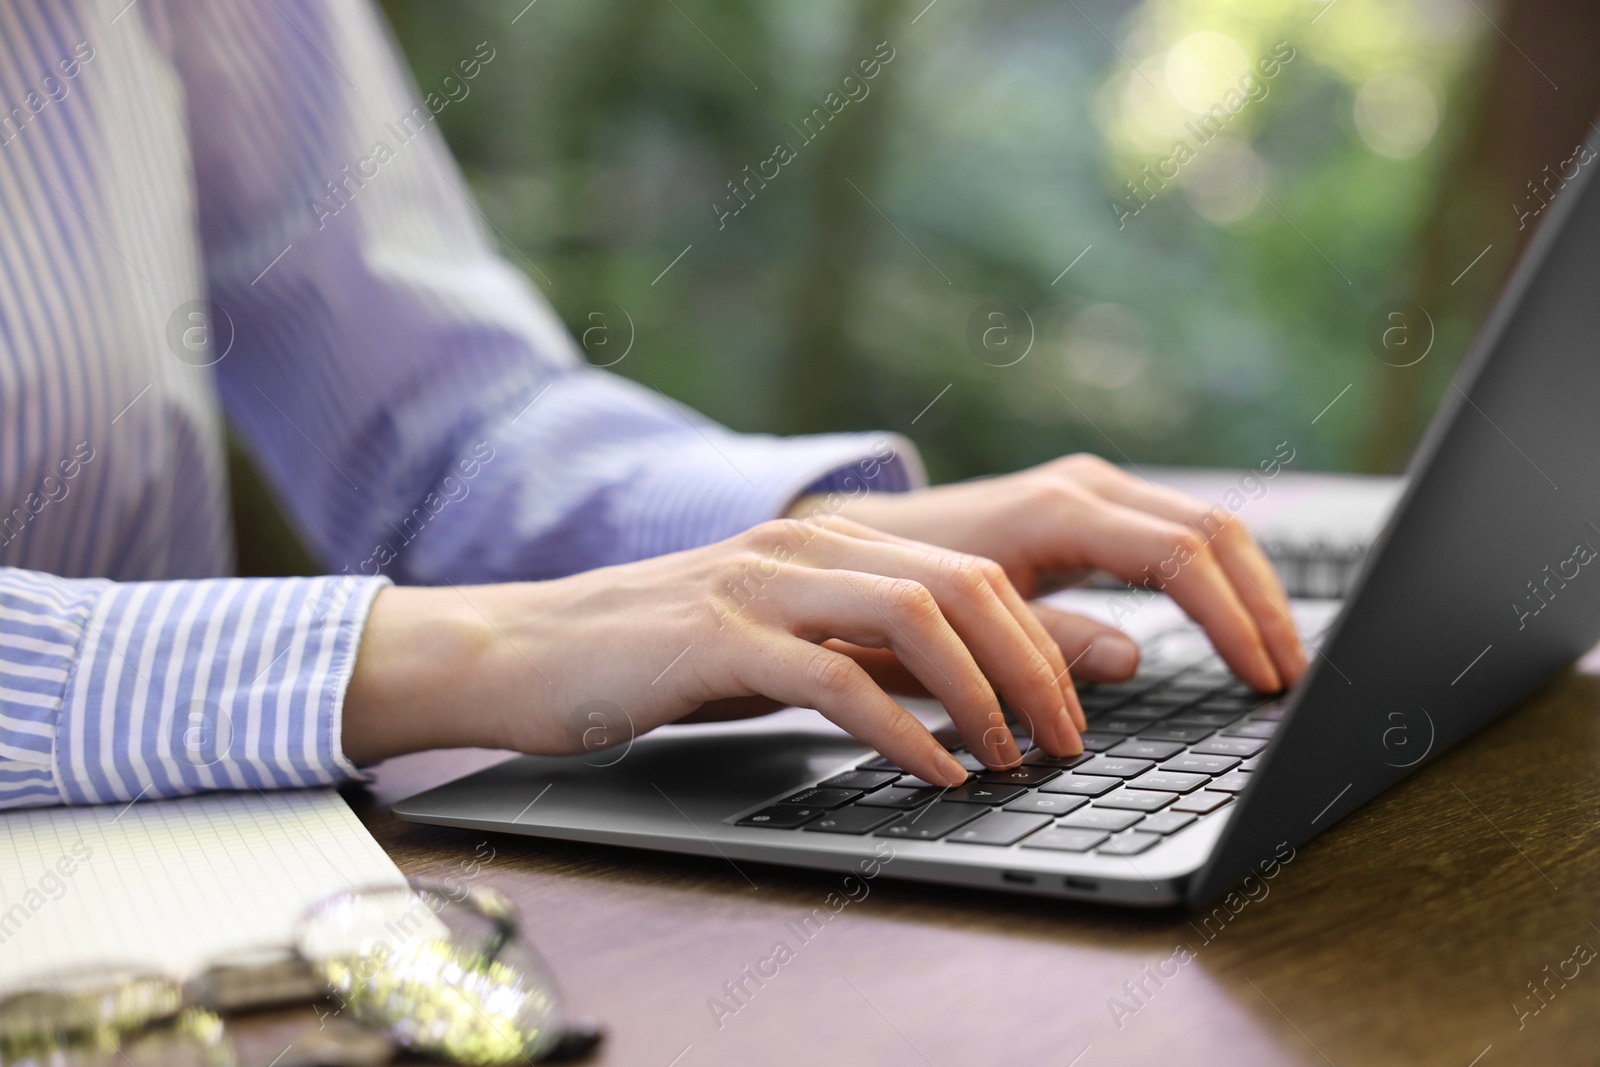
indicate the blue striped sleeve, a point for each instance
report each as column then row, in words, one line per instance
column 116, row 691
column 610, row 472
column 420, row 408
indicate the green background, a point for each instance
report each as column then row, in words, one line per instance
column 984, row 159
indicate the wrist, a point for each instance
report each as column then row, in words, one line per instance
column 412, row 686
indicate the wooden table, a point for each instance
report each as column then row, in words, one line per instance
column 1408, row 934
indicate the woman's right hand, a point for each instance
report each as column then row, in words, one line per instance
column 789, row 610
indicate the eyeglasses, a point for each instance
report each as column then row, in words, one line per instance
column 438, row 971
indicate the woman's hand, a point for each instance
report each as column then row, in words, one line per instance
column 804, row 613
column 1079, row 513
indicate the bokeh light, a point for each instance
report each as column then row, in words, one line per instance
column 1396, row 115
column 1202, row 67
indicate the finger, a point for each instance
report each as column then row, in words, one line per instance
column 882, row 666
column 1010, row 597
column 902, row 615
column 1095, row 652
column 810, row 676
column 1014, row 650
column 1148, row 550
column 1008, row 594
column 1257, row 582
column 1241, row 559
column 1042, row 638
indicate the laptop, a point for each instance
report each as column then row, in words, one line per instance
column 1483, row 583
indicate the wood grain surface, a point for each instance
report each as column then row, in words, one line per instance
column 1408, row 934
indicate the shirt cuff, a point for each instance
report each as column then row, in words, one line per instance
column 183, row 687
column 720, row 483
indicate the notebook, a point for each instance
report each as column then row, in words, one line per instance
column 172, row 885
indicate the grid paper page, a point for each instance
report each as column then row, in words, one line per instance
column 171, row 885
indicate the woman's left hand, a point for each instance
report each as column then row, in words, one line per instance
column 1079, row 513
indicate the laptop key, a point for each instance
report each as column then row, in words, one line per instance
column 1202, row 802
column 911, row 781
column 1176, row 732
column 1196, row 687
column 899, row 798
column 1167, row 697
column 1081, row 785
column 823, row 798
column 1242, row 747
column 932, row 822
column 1231, row 783
column 1111, row 767
column 1128, row 844
column 851, row 820
column 1169, row 781
column 780, row 817
column 1149, row 712
column 1065, row 839
column 1235, row 704
column 1135, row 800
column 1039, row 758
column 1047, row 803
column 1167, row 822
column 981, row 792
column 1120, row 726
column 1020, row 776
column 1213, row 719
column 1257, row 728
column 972, row 763
column 1190, row 763
column 1097, row 742
column 1101, row 819
column 863, row 780
column 1250, row 764
column 1139, row 749
column 1123, row 691
column 999, row 828
column 880, row 763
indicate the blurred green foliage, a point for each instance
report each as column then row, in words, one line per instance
column 980, row 161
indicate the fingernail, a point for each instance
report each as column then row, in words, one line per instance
column 954, row 773
column 1065, row 742
column 1111, row 656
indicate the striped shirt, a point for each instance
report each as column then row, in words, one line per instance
column 244, row 210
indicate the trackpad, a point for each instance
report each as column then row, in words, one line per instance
column 698, row 774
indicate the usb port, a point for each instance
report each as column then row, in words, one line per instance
column 1021, row 877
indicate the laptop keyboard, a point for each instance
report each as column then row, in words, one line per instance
column 1162, row 753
